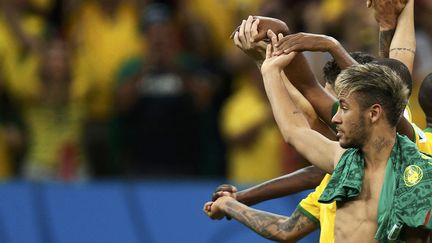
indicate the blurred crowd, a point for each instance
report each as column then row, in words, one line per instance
column 138, row 88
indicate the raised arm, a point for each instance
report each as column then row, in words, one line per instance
column 300, row 75
column 251, row 29
column 291, row 122
column 298, row 72
column 402, row 48
column 403, row 45
column 386, row 14
column 306, row 107
column 403, row 42
column 271, row 226
column 300, row 42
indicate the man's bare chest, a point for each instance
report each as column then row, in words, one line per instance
column 357, row 218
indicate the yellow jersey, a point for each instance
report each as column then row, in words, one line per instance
column 320, row 213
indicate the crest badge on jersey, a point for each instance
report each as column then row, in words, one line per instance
column 412, row 175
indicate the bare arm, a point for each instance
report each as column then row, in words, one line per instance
column 299, row 72
column 300, row 42
column 403, row 45
column 385, row 37
column 402, row 48
column 301, row 76
column 271, row 226
column 308, row 110
column 386, row 14
column 300, row 180
column 291, row 122
column 294, row 126
column 306, row 178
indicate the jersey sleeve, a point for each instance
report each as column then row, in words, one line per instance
column 310, row 207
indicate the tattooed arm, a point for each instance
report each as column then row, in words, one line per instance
column 385, row 38
column 386, row 14
column 403, row 45
column 271, row 226
column 396, row 36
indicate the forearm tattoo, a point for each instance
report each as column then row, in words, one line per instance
column 403, row 49
column 385, row 38
column 268, row 225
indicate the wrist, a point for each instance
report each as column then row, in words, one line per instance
column 223, row 202
column 386, row 26
column 246, row 196
column 240, row 197
column 269, row 71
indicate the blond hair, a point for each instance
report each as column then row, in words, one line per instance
column 375, row 84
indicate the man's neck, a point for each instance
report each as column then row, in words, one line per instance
column 377, row 149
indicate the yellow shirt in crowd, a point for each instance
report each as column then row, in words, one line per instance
column 261, row 160
column 103, row 45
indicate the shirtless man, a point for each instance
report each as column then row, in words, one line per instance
column 366, row 129
column 283, row 186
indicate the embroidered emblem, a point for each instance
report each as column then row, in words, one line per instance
column 412, row 175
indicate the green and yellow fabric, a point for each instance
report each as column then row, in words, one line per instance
column 406, row 198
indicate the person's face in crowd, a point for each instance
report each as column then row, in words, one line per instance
column 56, row 62
column 351, row 122
column 162, row 50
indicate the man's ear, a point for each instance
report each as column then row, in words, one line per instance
column 375, row 113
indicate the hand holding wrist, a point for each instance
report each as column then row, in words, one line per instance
column 221, row 203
